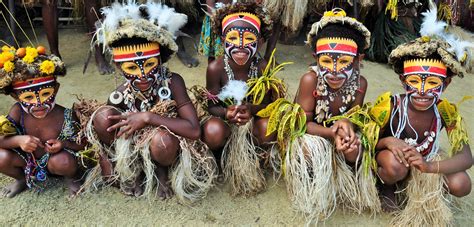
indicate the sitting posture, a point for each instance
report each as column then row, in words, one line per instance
column 411, row 126
column 149, row 119
column 233, row 123
column 38, row 137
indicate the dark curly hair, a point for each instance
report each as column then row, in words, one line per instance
column 342, row 31
column 165, row 52
column 251, row 7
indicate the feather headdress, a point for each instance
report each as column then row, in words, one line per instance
column 436, row 39
column 152, row 21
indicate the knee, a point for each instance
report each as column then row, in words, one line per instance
column 460, row 185
column 62, row 164
column 260, row 131
column 215, row 133
column 164, row 148
column 6, row 158
column 393, row 171
column 101, row 123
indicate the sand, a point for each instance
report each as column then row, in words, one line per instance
column 272, row 207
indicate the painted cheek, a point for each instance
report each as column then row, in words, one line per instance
column 249, row 38
column 233, row 37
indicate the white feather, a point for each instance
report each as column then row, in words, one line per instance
column 234, row 89
column 431, row 26
column 166, row 17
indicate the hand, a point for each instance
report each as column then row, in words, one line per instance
column 416, row 160
column 54, row 146
column 29, row 143
column 343, row 145
column 344, row 128
column 129, row 123
column 398, row 148
column 231, row 113
column 243, row 114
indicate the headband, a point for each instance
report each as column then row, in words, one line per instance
column 336, row 45
column 135, row 52
column 424, row 66
column 241, row 16
column 33, row 82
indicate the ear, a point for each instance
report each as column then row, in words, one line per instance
column 402, row 78
column 361, row 57
column 447, row 81
column 315, row 56
column 56, row 88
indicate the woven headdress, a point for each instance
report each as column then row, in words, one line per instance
column 338, row 16
column 27, row 65
column 435, row 40
column 152, row 21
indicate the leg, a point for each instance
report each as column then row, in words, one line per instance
column 101, row 123
column 91, row 8
column 50, row 21
column 12, row 165
column 390, row 171
column 459, row 184
column 260, row 131
column 215, row 134
column 64, row 164
column 164, row 151
column 183, row 56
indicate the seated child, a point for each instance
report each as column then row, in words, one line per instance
column 329, row 90
column 42, row 136
column 243, row 28
column 148, row 119
column 411, row 126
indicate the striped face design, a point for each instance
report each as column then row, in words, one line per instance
column 37, row 96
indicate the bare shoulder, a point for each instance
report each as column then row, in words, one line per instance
column 215, row 67
column 309, row 78
column 15, row 112
column 363, row 84
column 177, row 81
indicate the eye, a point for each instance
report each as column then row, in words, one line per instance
column 46, row 94
column 432, row 83
column 132, row 67
column 413, row 81
column 326, row 61
column 149, row 64
column 28, row 97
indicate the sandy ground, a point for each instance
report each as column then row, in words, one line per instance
column 110, row 207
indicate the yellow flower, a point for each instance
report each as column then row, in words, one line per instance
column 31, row 52
column 28, row 59
column 8, row 66
column 47, row 67
column 6, row 56
column 335, row 13
column 425, row 39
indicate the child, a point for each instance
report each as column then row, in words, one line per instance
column 149, row 118
column 411, row 126
column 233, row 126
column 42, row 137
column 306, row 133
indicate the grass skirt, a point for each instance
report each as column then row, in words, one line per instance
column 426, row 201
column 241, row 162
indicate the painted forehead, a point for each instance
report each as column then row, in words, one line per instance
column 34, row 83
column 424, row 67
column 242, row 19
column 336, row 45
column 135, row 52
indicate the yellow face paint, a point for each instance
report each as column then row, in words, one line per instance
column 249, row 38
column 31, row 97
column 139, row 68
column 341, row 62
column 233, row 37
column 422, row 85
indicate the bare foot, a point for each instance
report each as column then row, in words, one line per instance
column 134, row 189
column 164, row 187
column 13, row 189
column 187, row 60
column 74, row 186
column 387, row 198
column 102, row 65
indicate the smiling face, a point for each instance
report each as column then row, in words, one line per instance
column 139, row 64
column 335, row 60
column 241, row 35
column 37, row 96
column 424, row 81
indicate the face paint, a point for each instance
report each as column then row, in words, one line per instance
column 335, row 69
column 424, row 82
column 141, row 74
column 241, row 44
column 139, row 64
column 335, row 60
column 36, row 96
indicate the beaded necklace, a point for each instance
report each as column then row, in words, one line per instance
column 253, row 71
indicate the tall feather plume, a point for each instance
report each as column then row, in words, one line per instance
column 166, row 17
column 431, row 26
column 234, row 89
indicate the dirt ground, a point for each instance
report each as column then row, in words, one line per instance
column 272, row 207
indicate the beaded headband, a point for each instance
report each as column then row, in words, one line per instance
column 336, row 45
column 241, row 16
column 424, row 66
column 135, row 52
column 20, row 85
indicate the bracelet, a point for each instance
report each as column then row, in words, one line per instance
column 437, row 171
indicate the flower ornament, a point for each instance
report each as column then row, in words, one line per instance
column 47, row 67
column 8, row 66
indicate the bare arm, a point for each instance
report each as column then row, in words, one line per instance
column 213, row 85
column 187, row 124
column 305, row 99
column 459, row 162
column 360, row 94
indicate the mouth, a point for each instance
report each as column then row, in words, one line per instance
column 335, row 81
column 39, row 112
column 422, row 102
column 240, row 56
column 143, row 85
